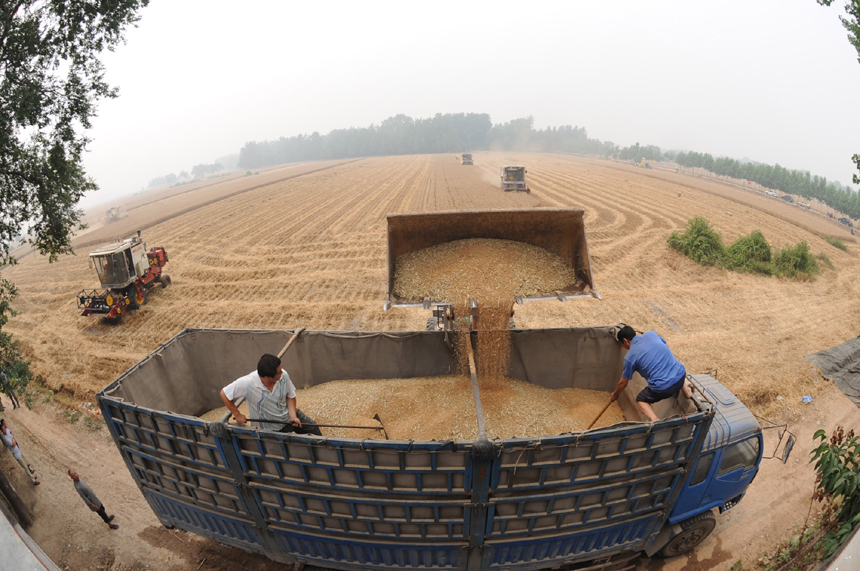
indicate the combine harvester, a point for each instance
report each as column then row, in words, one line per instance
column 467, row 159
column 514, row 178
column 126, row 272
column 589, row 499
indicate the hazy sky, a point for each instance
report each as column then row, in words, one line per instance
column 772, row 80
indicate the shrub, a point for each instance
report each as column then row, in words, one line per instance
column 796, row 262
column 836, row 242
column 750, row 254
column 700, row 242
column 826, row 261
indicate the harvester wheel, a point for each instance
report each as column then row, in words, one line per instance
column 165, row 281
column 131, row 295
column 431, row 324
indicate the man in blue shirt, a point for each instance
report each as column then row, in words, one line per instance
column 650, row 356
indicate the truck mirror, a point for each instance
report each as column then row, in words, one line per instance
column 788, row 446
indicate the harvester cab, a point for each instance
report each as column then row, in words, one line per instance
column 514, row 178
column 126, row 271
column 558, row 231
column 467, row 159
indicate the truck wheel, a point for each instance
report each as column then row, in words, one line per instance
column 511, row 324
column 695, row 531
column 165, row 281
column 431, row 324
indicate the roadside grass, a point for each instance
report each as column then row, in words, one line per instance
column 748, row 254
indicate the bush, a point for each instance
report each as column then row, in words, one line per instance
column 826, row 261
column 748, row 254
column 700, row 242
column 751, row 254
column 836, row 242
column 796, row 262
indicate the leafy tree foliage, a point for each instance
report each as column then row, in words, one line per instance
column 852, row 24
column 16, row 366
column 200, row 171
column 50, row 81
column 798, row 182
column 162, row 180
column 748, row 254
column 402, row 135
column 837, row 464
column 638, row 152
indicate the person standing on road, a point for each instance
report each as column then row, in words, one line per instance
column 650, row 356
column 271, row 395
column 91, row 499
column 10, row 392
column 12, row 444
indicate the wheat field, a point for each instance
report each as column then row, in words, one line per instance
column 305, row 246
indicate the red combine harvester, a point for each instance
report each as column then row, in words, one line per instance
column 126, row 272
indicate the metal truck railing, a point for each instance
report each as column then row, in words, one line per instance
column 375, row 504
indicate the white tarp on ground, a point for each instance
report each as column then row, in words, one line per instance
column 18, row 549
column 841, row 364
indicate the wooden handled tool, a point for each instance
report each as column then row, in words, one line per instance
column 599, row 415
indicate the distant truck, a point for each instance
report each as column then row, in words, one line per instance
column 588, row 499
column 467, row 159
column 514, row 178
column 127, row 271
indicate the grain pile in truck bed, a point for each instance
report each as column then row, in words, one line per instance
column 482, row 268
column 443, row 408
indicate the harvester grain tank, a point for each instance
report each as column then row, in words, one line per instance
column 591, row 499
column 126, row 271
column 467, row 159
column 514, row 178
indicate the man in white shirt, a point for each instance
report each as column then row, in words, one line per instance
column 271, row 395
column 12, row 444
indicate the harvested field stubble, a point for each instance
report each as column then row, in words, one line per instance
column 443, row 408
column 315, row 257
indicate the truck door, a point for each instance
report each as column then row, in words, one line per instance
column 738, row 466
column 691, row 500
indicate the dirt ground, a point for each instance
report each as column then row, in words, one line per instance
column 306, row 247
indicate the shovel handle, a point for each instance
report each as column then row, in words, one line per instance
column 599, row 415
column 290, row 342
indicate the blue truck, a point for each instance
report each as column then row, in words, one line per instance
column 585, row 500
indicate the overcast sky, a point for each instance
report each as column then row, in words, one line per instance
column 775, row 81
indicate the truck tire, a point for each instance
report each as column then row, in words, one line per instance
column 431, row 324
column 695, row 531
column 165, row 281
column 511, row 324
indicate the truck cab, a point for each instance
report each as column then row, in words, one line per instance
column 719, row 477
column 121, row 263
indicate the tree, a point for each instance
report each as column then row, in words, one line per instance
column 50, row 81
column 852, row 24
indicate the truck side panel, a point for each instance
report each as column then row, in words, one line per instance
column 372, row 504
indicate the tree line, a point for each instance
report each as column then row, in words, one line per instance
column 403, row 135
column 798, row 182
